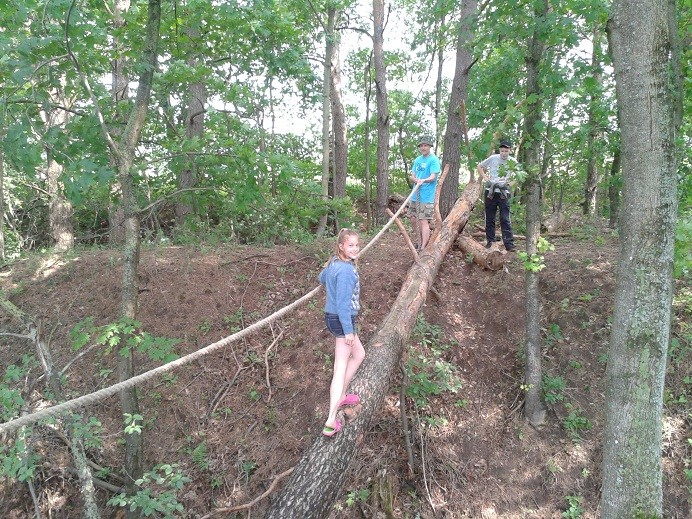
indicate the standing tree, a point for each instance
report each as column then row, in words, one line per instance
column 330, row 41
column 339, row 129
column 60, row 209
column 455, row 125
column 382, row 109
column 594, row 125
column 120, row 81
column 123, row 149
column 194, row 122
column 642, row 41
column 534, row 410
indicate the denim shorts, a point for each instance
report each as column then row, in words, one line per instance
column 334, row 324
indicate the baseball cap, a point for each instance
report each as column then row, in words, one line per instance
column 426, row 139
column 505, row 144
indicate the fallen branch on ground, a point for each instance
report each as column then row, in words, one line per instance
column 252, row 503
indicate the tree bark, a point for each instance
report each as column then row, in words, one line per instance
column 338, row 129
column 382, row 109
column 2, row 192
column 534, row 409
column 614, row 190
column 594, row 133
column 120, row 81
column 439, row 30
column 60, row 209
column 366, row 138
column 316, row 481
column 641, row 40
column 455, row 123
column 194, row 128
column 329, row 37
column 125, row 157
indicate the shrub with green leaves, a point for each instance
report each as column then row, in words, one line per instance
column 574, row 509
column 428, row 373
column 126, row 334
column 553, row 388
column 575, row 422
column 535, row 262
column 157, row 493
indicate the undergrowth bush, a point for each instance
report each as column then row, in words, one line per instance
column 429, row 374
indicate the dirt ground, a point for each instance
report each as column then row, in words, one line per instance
column 232, row 433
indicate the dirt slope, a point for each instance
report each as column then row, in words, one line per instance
column 232, row 434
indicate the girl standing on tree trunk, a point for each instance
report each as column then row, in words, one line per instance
column 342, row 283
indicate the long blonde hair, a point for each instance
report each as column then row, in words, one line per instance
column 343, row 235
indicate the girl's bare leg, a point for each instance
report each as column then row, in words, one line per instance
column 354, row 361
column 342, row 353
column 347, row 360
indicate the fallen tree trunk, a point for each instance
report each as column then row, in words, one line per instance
column 484, row 258
column 319, row 476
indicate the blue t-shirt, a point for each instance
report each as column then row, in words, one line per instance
column 423, row 167
column 341, row 280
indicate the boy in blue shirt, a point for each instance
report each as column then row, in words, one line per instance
column 424, row 172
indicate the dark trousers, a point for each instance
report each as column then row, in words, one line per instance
column 491, row 206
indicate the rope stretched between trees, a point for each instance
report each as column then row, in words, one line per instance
column 84, row 400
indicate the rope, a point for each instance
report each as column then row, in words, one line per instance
column 389, row 223
column 139, row 379
column 85, row 400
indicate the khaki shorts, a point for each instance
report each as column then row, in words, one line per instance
column 426, row 211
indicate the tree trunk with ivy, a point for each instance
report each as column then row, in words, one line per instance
column 318, row 478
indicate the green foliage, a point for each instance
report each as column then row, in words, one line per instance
column 683, row 248
column 125, row 333
column 200, row 456
column 11, row 399
column 428, row 373
column 133, row 423
column 157, row 493
column 247, row 468
column 89, row 432
column 357, row 496
column 589, row 296
column 574, row 509
column 18, row 462
column 553, row 334
column 535, row 262
column 532, row 262
column 575, row 422
column 553, row 388
column 254, row 394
